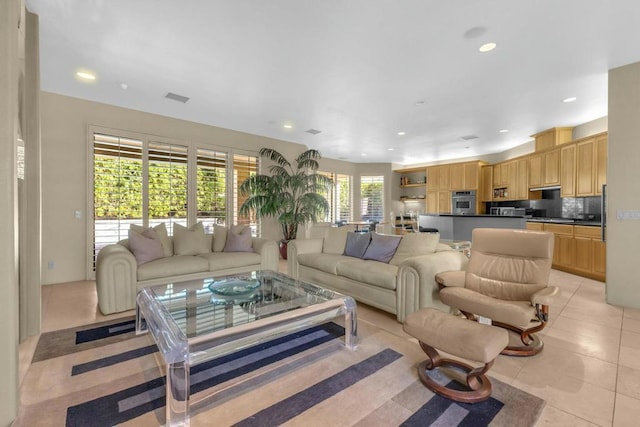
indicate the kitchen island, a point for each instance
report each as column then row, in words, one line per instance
column 459, row 227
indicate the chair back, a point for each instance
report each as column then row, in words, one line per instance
column 509, row 264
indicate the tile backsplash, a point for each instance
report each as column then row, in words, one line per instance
column 553, row 206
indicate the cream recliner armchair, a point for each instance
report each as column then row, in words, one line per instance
column 506, row 281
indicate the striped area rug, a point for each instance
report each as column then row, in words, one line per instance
column 103, row 375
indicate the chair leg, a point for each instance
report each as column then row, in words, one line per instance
column 477, row 383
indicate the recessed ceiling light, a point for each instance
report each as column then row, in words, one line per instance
column 363, row 154
column 86, row 75
column 287, row 126
column 390, row 149
column 487, row 47
column 124, row 86
column 503, row 130
column 570, row 99
column 401, row 133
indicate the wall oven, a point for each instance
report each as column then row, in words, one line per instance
column 463, row 202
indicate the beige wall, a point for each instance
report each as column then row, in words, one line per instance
column 10, row 67
column 623, row 175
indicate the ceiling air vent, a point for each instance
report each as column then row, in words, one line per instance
column 176, row 97
column 469, row 137
column 313, row 131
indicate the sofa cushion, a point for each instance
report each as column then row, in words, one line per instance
column 219, row 237
column 324, row 262
column 335, row 239
column 238, row 239
column 382, row 247
column 373, row 273
column 190, row 241
column 161, row 232
column 224, row 260
column 172, row 266
column 357, row 244
column 146, row 246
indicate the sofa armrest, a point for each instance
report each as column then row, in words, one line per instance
column 269, row 254
column 416, row 286
column 297, row 247
column 116, row 277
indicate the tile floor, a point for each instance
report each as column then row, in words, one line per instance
column 589, row 371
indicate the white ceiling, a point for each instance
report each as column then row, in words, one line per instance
column 353, row 69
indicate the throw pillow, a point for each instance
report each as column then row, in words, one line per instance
column 357, row 244
column 382, row 247
column 335, row 240
column 239, row 239
column 190, row 241
column 145, row 247
column 219, row 237
column 161, row 232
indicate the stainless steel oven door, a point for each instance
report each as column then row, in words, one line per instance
column 463, row 205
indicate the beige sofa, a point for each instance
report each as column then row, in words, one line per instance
column 119, row 277
column 403, row 285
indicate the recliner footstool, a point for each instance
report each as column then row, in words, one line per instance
column 435, row 329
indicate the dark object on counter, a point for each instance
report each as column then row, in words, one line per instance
column 428, row 230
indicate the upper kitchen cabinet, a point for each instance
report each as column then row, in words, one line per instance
column 591, row 165
column 535, row 170
column 553, row 137
column 551, row 168
column 486, row 192
column 521, row 190
column 568, row 171
column 465, row 176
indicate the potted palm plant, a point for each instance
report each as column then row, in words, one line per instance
column 291, row 194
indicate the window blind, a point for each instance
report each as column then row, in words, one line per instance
column 372, row 198
column 211, row 188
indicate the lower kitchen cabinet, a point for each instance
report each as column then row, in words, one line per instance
column 578, row 249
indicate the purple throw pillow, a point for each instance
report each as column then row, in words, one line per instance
column 145, row 247
column 357, row 244
column 382, row 247
column 239, row 239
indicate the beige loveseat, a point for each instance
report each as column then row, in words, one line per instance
column 403, row 285
column 119, row 277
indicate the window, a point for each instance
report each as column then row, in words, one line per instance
column 243, row 168
column 148, row 182
column 339, row 198
column 117, row 189
column 211, row 188
column 372, row 198
column 167, row 184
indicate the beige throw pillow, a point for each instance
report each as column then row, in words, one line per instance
column 239, row 239
column 145, row 247
column 190, row 241
column 219, row 237
column 335, row 240
column 161, row 232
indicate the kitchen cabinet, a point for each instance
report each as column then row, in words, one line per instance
column 601, row 146
column 471, row 176
column 444, row 177
column 535, row 170
column 456, row 172
column 551, row 168
column 486, row 193
column 553, row 137
column 505, row 177
column 432, row 202
column 591, row 165
column 438, row 202
column 568, row 171
column 522, row 181
column 577, row 248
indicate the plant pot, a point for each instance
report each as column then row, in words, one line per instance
column 283, row 248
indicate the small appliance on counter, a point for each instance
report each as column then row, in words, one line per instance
column 508, row 211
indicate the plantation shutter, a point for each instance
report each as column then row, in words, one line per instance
column 117, row 194
column 167, row 184
column 343, row 197
column 244, row 166
column 372, row 198
column 329, row 194
column 211, row 188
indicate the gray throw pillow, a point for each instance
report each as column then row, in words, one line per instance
column 382, row 247
column 239, row 239
column 145, row 247
column 357, row 244
column 161, row 232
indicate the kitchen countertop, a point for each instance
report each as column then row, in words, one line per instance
column 566, row 221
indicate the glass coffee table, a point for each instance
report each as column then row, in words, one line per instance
column 199, row 320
